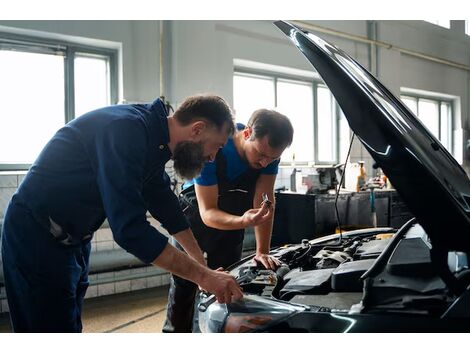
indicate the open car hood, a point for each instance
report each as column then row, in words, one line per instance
column 427, row 177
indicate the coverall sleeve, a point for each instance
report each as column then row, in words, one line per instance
column 121, row 152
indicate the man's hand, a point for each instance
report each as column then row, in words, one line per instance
column 268, row 261
column 255, row 217
column 222, row 285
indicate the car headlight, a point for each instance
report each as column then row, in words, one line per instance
column 251, row 313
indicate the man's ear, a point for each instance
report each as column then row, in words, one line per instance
column 197, row 128
column 247, row 133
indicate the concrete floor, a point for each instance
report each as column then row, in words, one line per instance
column 137, row 311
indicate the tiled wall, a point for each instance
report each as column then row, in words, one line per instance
column 8, row 184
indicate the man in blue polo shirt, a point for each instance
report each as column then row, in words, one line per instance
column 108, row 163
column 226, row 199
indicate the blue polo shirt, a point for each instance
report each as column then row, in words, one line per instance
column 108, row 163
column 235, row 166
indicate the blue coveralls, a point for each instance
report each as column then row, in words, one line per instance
column 108, row 163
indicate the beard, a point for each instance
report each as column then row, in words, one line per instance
column 189, row 159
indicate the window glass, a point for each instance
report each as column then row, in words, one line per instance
column 411, row 103
column 428, row 113
column 250, row 93
column 31, row 103
column 37, row 93
column 295, row 100
column 325, row 125
column 446, row 125
column 436, row 115
column 91, row 83
column 344, row 136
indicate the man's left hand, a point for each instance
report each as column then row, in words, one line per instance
column 269, row 262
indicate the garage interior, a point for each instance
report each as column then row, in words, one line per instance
column 426, row 64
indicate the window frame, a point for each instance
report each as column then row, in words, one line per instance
column 439, row 100
column 68, row 49
column 315, row 83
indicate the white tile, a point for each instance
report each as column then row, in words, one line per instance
column 20, row 178
column 92, row 291
column 138, row 284
column 109, row 275
column 8, row 181
column 106, row 289
column 5, row 196
column 154, row 269
column 154, row 281
column 165, row 279
column 139, row 270
column 122, row 273
column 104, row 246
column 104, row 235
column 5, row 308
column 123, row 286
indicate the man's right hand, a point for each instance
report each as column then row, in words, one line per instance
column 255, row 217
column 222, row 285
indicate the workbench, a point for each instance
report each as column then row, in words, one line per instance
column 306, row 216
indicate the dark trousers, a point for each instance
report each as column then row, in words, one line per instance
column 182, row 293
column 45, row 282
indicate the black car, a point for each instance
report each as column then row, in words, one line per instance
column 414, row 279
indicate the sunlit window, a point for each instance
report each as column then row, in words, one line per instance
column 321, row 133
column 251, row 92
column 31, row 103
column 441, row 23
column 326, row 124
column 38, row 95
column 435, row 114
column 92, row 86
column 295, row 100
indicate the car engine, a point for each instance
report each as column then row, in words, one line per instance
column 330, row 273
column 312, row 273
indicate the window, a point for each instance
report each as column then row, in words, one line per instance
column 435, row 114
column 440, row 23
column 320, row 129
column 467, row 27
column 42, row 87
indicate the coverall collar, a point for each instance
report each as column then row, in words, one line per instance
column 157, row 121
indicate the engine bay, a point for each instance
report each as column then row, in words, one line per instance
column 326, row 273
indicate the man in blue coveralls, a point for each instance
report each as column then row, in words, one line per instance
column 108, row 163
column 226, row 199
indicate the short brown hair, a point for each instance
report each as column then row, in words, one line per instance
column 208, row 107
column 275, row 125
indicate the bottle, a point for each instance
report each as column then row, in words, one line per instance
column 293, row 176
column 361, row 179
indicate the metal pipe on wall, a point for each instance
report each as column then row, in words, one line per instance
column 385, row 45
